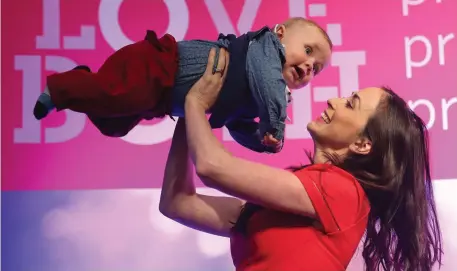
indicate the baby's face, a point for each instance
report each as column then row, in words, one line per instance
column 307, row 53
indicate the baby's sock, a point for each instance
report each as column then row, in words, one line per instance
column 43, row 105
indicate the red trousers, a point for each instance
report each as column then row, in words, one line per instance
column 134, row 83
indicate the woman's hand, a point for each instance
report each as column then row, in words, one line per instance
column 207, row 88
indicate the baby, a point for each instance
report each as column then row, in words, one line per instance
column 151, row 78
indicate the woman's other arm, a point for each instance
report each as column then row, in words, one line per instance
column 179, row 200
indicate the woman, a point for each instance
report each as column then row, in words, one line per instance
column 369, row 174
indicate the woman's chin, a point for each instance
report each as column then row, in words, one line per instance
column 315, row 128
column 311, row 127
column 318, row 122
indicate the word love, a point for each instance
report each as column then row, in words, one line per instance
column 178, row 22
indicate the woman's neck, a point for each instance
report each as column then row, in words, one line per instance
column 321, row 156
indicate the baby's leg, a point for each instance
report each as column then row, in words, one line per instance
column 44, row 103
column 131, row 81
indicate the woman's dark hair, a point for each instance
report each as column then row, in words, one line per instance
column 403, row 232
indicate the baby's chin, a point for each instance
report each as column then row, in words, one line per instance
column 291, row 84
column 295, row 85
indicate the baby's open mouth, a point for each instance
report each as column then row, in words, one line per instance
column 300, row 72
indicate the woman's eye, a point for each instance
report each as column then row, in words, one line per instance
column 348, row 104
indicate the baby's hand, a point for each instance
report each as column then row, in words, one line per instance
column 271, row 142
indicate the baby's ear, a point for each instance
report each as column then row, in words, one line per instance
column 280, row 30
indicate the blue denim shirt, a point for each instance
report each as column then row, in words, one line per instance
column 264, row 61
column 264, row 65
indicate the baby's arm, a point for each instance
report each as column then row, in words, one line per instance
column 264, row 72
column 245, row 131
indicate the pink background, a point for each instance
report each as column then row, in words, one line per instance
column 87, row 160
column 76, row 229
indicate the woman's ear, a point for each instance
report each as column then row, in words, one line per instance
column 361, row 146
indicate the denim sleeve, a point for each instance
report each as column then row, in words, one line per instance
column 245, row 131
column 264, row 72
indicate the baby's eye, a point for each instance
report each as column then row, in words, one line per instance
column 308, row 50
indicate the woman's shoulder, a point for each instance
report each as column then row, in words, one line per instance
column 327, row 177
column 338, row 198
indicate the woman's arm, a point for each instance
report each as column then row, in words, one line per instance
column 180, row 202
column 264, row 185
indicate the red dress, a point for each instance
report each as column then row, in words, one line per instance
column 281, row 242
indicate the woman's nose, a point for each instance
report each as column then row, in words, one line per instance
column 331, row 103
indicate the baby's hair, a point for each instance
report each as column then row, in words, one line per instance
column 295, row 20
